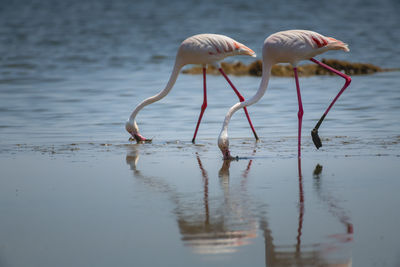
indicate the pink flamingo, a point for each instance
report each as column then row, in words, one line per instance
column 291, row 47
column 199, row 49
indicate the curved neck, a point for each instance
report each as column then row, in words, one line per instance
column 174, row 75
column 266, row 73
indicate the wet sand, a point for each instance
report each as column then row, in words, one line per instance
column 172, row 203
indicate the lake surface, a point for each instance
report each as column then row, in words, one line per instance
column 75, row 192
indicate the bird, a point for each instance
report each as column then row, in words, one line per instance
column 290, row 46
column 204, row 49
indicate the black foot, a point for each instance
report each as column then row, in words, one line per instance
column 315, row 138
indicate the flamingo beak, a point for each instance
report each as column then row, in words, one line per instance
column 244, row 50
column 253, row 54
column 139, row 138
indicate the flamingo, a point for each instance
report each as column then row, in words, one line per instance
column 198, row 49
column 290, row 46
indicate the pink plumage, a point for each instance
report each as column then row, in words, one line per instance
column 198, row 49
column 297, row 45
column 291, row 47
column 210, row 48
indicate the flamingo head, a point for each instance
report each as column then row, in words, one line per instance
column 223, row 144
column 133, row 129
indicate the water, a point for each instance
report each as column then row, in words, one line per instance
column 76, row 69
column 75, row 193
column 176, row 205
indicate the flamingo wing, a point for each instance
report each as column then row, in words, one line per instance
column 328, row 43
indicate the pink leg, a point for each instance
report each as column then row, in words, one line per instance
column 314, row 132
column 300, row 113
column 241, row 99
column 203, row 107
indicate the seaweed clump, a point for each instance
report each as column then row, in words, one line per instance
column 286, row 70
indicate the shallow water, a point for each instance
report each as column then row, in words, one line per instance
column 75, row 192
column 175, row 204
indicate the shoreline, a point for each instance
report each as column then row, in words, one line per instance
column 269, row 147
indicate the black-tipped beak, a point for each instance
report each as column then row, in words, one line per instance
column 139, row 139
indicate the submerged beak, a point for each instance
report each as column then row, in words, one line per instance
column 139, row 138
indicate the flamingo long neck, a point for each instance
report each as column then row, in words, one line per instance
column 266, row 73
column 174, row 75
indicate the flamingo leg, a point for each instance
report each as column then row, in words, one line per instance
column 241, row 99
column 301, row 207
column 300, row 113
column 314, row 132
column 204, row 106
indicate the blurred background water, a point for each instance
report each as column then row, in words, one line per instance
column 74, row 70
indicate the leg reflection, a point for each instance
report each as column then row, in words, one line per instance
column 301, row 206
column 333, row 206
column 314, row 254
column 204, row 174
column 208, row 222
column 247, row 170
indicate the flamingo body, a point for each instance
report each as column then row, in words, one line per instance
column 210, row 48
column 198, row 49
column 294, row 46
column 290, row 46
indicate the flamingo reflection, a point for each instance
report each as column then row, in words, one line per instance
column 333, row 207
column 220, row 224
column 310, row 254
column 221, row 219
column 227, row 224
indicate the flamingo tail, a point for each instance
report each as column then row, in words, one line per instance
column 337, row 45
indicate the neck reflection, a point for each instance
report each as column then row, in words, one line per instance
column 209, row 223
column 228, row 222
